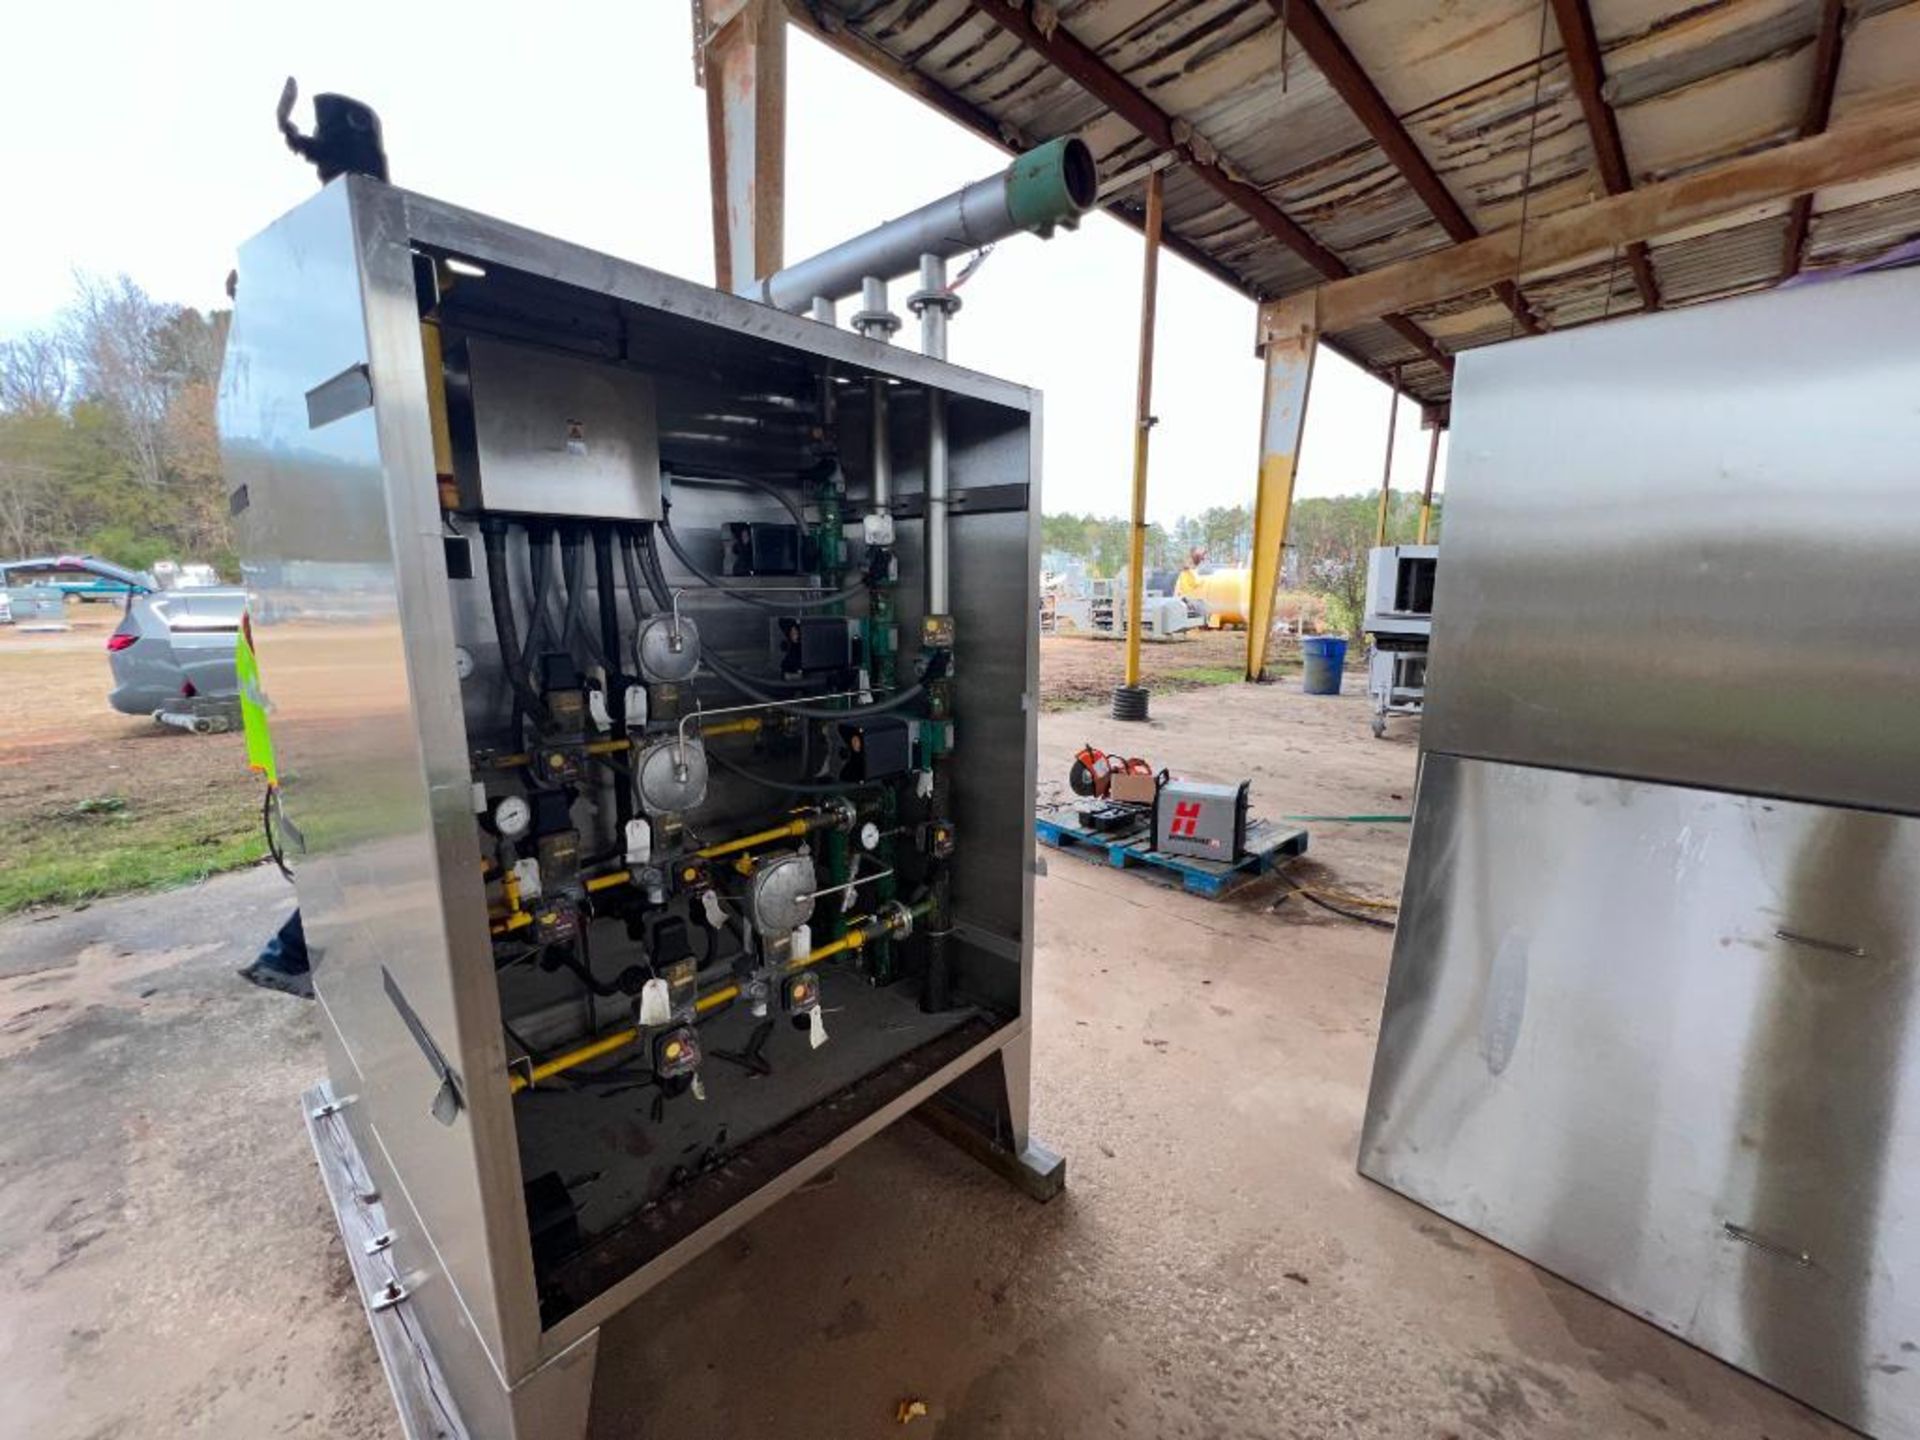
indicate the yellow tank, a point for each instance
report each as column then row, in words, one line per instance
column 1224, row 592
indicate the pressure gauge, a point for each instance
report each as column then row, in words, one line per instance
column 512, row 816
column 869, row 835
column 462, row 662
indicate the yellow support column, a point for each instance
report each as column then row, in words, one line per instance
column 1386, row 471
column 1434, row 424
column 1130, row 701
column 1289, row 330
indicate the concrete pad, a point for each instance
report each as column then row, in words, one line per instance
column 1216, row 1267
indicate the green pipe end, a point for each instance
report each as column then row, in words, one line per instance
column 1053, row 184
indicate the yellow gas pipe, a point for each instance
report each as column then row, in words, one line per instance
column 864, row 929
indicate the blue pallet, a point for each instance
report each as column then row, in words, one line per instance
column 1267, row 845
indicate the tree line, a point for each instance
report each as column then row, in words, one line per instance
column 1225, row 532
column 107, row 437
column 1329, row 538
column 108, row 446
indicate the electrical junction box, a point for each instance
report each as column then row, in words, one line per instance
column 1191, row 817
column 537, row 432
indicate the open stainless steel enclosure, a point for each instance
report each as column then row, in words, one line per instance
column 655, row 844
column 1654, row 1015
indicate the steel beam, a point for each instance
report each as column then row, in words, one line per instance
column 1079, row 63
column 1589, row 77
column 1308, row 24
column 1826, row 76
column 1869, row 141
column 877, row 60
column 742, row 64
column 1288, row 332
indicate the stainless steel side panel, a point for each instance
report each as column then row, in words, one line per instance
column 1662, row 1041
column 1683, row 548
column 351, row 618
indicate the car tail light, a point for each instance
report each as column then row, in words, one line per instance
column 120, row 640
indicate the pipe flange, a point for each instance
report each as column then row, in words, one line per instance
column 897, row 918
column 844, row 812
column 885, row 321
column 944, row 301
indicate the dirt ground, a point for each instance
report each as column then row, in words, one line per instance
column 1082, row 670
column 93, row 801
column 1215, row 1268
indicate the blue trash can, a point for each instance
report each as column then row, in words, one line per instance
column 1326, row 657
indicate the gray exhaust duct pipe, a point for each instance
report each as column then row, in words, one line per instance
column 1053, row 185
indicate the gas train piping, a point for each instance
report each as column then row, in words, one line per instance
column 594, row 807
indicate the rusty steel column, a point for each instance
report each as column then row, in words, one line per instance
column 1386, row 471
column 742, row 64
column 1133, row 704
column 1433, row 459
column 1289, row 330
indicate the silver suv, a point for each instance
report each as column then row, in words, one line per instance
column 172, row 657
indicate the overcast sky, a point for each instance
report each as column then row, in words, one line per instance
column 141, row 138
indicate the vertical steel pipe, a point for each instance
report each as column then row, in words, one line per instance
column 879, row 446
column 933, row 341
column 1142, row 427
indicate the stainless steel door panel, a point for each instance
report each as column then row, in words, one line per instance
column 1682, row 547
column 1659, row 1041
column 342, row 635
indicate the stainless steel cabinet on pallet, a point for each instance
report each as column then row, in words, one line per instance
column 1654, row 1015
column 601, row 881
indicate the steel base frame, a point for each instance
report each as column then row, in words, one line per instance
column 979, row 1104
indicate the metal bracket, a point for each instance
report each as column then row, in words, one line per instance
column 388, row 1296
column 1770, row 1247
column 1814, row 942
column 447, row 1100
column 347, row 393
column 381, row 1242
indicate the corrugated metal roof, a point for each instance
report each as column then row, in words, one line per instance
column 1484, row 91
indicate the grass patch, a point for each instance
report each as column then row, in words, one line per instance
column 111, row 844
column 1195, row 676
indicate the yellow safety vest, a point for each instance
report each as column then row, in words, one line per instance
column 253, row 705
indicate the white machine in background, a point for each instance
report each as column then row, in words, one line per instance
column 1399, row 628
column 1162, row 615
